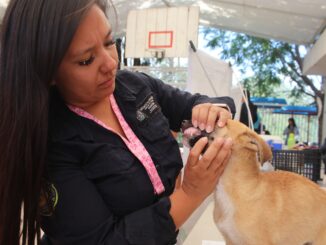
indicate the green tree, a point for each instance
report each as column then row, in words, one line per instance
column 266, row 64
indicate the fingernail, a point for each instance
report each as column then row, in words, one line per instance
column 220, row 124
column 202, row 126
column 209, row 129
column 195, row 123
column 229, row 141
column 205, row 139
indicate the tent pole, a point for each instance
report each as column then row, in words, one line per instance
column 308, row 129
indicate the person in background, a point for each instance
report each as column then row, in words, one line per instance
column 86, row 150
column 291, row 133
column 244, row 117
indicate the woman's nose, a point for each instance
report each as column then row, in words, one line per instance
column 109, row 62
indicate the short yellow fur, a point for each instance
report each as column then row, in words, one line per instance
column 257, row 208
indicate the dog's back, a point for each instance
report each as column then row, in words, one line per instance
column 276, row 208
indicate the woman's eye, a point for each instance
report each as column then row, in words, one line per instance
column 87, row 61
column 109, row 43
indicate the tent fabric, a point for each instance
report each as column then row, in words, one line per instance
column 268, row 102
column 295, row 21
column 297, row 110
column 208, row 75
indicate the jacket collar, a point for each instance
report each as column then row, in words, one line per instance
column 63, row 123
column 123, row 89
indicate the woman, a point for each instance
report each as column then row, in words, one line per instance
column 86, row 150
column 291, row 133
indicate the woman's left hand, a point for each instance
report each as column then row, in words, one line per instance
column 207, row 115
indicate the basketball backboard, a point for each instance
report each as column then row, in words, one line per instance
column 161, row 32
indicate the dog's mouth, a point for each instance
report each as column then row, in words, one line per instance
column 191, row 134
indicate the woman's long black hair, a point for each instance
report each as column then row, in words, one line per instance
column 35, row 34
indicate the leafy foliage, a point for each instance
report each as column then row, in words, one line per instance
column 265, row 64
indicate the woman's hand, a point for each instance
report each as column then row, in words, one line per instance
column 202, row 172
column 206, row 115
column 201, row 176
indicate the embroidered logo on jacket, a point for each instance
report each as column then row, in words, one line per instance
column 148, row 108
column 48, row 200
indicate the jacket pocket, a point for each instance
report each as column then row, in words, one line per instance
column 155, row 128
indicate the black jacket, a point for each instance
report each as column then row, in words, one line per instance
column 103, row 193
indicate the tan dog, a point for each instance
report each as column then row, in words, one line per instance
column 273, row 208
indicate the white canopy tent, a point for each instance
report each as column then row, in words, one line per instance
column 297, row 21
column 294, row 21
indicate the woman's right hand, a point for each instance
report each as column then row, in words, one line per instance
column 201, row 175
column 202, row 172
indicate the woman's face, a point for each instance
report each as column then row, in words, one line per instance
column 87, row 73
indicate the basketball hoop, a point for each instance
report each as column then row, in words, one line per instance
column 157, row 53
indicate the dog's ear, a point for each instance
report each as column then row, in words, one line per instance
column 262, row 148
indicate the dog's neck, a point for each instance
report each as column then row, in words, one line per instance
column 243, row 168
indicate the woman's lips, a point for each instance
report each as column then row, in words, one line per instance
column 106, row 84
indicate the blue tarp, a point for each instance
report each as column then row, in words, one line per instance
column 282, row 107
column 297, row 110
column 268, row 102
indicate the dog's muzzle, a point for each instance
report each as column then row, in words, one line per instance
column 191, row 134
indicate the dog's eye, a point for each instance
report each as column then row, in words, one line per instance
column 253, row 142
column 211, row 138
